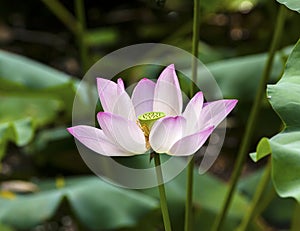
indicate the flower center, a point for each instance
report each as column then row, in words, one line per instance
column 146, row 121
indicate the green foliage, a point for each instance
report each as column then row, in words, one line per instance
column 5, row 228
column 263, row 149
column 20, row 116
column 276, row 211
column 97, row 204
column 20, row 75
column 285, row 99
column 41, row 99
column 232, row 74
column 208, row 196
column 100, row 206
column 100, row 36
column 31, row 96
column 291, row 4
column 23, row 72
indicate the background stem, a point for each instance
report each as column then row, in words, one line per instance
column 252, row 213
column 189, row 196
column 295, row 220
column 245, row 145
column 162, row 193
column 61, row 12
column 83, row 49
column 195, row 43
column 190, row 170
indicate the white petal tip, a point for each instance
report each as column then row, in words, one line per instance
column 234, row 101
column 102, row 114
column 171, row 66
column 231, row 104
column 98, row 79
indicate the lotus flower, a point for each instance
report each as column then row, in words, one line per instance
column 152, row 119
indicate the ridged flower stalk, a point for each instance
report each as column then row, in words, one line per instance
column 162, row 193
column 190, row 170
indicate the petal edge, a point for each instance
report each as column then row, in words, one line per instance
column 188, row 145
column 167, row 93
column 95, row 140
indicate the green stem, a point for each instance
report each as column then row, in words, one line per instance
column 162, row 193
column 251, row 124
column 295, row 220
column 263, row 204
column 190, row 170
column 267, row 200
column 83, row 49
column 63, row 14
column 254, row 206
column 189, row 196
column 195, row 43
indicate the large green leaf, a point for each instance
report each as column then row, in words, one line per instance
column 21, row 75
column 291, row 4
column 41, row 110
column 31, row 74
column 98, row 205
column 285, row 146
column 232, row 74
column 5, row 228
column 20, row 116
column 31, row 94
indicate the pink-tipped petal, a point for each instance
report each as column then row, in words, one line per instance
column 165, row 132
column 142, row 96
column 121, row 84
column 213, row 113
column 95, row 140
column 167, row 93
column 115, row 99
column 192, row 113
column 190, row 144
column 124, row 133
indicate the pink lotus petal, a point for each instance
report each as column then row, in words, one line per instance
column 190, row 144
column 165, row 132
column 213, row 113
column 120, row 84
column 124, row 133
column 167, row 93
column 142, row 96
column 95, row 140
column 192, row 113
column 115, row 99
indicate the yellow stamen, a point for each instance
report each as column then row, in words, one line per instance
column 146, row 121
